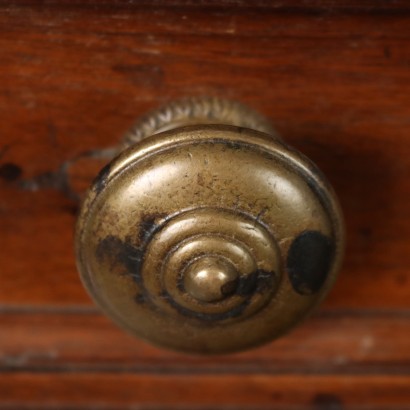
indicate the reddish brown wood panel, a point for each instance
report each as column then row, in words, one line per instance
column 58, row 391
column 329, row 343
column 333, row 78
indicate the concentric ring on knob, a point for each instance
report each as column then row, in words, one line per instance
column 233, row 238
column 231, row 199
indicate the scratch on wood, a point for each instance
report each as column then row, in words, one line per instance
column 59, row 179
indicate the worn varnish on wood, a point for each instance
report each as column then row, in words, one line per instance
column 334, row 79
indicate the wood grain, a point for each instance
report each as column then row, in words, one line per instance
column 334, row 78
column 181, row 391
column 84, row 340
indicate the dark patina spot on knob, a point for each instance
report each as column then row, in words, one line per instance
column 309, row 261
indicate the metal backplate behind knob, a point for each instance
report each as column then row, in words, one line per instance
column 208, row 238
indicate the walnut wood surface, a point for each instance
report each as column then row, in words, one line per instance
column 333, row 78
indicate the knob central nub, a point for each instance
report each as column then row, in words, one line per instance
column 211, row 279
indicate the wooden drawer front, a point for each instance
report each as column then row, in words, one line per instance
column 335, row 81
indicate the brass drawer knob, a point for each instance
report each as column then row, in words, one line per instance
column 209, row 237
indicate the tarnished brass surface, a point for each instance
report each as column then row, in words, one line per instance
column 209, row 238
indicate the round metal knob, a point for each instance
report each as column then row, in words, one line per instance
column 212, row 237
